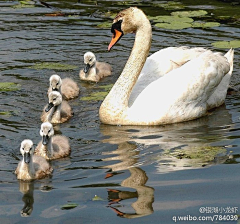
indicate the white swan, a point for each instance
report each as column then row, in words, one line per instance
column 57, row 110
column 174, row 85
column 94, row 70
column 67, row 87
column 32, row 166
column 52, row 146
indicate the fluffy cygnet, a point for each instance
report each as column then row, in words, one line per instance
column 67, row 87
column 57, row 110
column 32, row 166
column 52, row 146
column 94, row 71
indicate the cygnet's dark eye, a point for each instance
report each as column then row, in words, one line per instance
column 22, row 148
column 54, row 99
column 57, row 83
column 90, row 59
column 49, row 131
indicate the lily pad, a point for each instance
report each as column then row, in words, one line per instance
column 9, row 86
column 174, row 25
column 69, row 206
column 105, row 25
column 204, row 25
column 170, row 5
column 227, row 44
column 97, row 198
column 171, row 19
column 53, row 66
column 195, row 13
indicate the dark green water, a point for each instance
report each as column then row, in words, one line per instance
column 143, row 174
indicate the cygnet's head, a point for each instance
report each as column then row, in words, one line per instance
column 55, row 82
column 89, row 61
column 54, row 99
column 27, row 150
column 46, row 132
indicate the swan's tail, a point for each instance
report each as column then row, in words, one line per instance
column 219, row 95
column 230, row 55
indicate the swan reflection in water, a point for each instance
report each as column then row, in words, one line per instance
column 163, row 146
column 188, row 145
column 127, row 154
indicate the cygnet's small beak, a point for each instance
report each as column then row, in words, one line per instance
column 49, row 107
column 45, row 139
column 86, row 68
column 26, row 157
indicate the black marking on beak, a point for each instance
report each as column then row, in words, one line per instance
column 49, row 107
column 26, row 157
column 45, row 139
column 86, row 68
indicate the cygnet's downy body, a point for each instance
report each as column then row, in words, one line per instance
column 52, row 146
column 94, row 71
column 32, row 166
column 57, row 110
column 67, row 87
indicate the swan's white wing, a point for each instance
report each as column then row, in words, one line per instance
column 182, row 93
column 160, row 63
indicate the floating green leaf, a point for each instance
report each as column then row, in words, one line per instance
column 9, row 86
column 104, row 25
column 173, row 25
column 171, row 19
column 5, row 113
column 195, row 13
column 170, row 5
column 97, row 198
column 227, row 44
column 69, row 206
column 53, row 66
column 205, row 24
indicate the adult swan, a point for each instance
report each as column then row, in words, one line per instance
column 175, row 84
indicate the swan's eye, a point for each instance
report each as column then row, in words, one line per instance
column 57, row 83
column 90, row 59
column 22, row 148
column 54, row 99
column 49, row 131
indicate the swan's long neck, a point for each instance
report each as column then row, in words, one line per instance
column 117, row 100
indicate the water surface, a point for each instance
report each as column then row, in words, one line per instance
column 144, row 174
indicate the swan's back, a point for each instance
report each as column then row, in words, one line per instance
column 160, row 63
column 61, row 146
column 69, row 89
column 182, row 93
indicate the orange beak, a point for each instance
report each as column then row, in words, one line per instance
column 115, row 38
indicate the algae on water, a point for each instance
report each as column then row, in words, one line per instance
column 9, row 86
column 53, row 66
